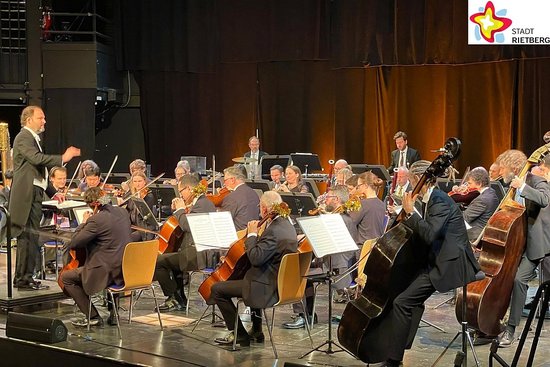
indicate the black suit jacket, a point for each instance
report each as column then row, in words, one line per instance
column 28, row 163
column 265, row 254
column 537, row 197
column 480, row 210
column 442, row 234
column 189, row 258
column 260, row 155
column 243, row 203
column 412, row 156
column 104, row 236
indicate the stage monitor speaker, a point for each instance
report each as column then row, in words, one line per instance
column 35, row 328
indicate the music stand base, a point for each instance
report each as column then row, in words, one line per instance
column 329, row 350
column 461, row 355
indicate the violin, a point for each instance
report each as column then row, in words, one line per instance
column 463, row 194
column 217, row 199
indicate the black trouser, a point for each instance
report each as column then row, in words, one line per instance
column 402, row 313
column 169, row 274
column 222, row 292
column 27, row 242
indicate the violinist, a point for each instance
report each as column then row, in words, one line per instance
column 440, row 238
column 92, row 178
column 534, row 193
column 88, row 163
column 58, row 182
column 172, row 267
column 137, row 165
column 137, row 218
column 104, row 234
column 336, row 198
column 480, row 210
column 293, row 181
column 242, row 201
column 182, row 168
column 259, row 286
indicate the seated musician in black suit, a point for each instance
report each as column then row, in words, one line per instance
column 170, row 268
column 243, row 201
column 441, row 235
column 259, row 286
column 480, row 210
column 103, row 235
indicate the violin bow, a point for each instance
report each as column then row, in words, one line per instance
column 143, row 188
column 110, row 170
column 74, row 174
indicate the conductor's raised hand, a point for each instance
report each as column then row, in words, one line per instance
column 70, row 153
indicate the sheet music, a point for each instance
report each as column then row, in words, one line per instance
column 328, row 234
column 212, row 230
column 67, row 204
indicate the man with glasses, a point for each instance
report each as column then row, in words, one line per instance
column 171, row 268
column 243, row 203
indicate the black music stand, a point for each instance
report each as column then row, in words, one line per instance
column 268, row 161
column 163, row 195
column 116, row 178
column 312, row 186
column 263, row 185
column 145, row 211
column 497, row 186
column 299, row 204
column 307, row 162
column 446, row 185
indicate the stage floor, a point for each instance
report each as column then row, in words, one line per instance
column 177, row 346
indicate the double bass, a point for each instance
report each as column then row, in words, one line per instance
column 502, row 245
column 391, row 267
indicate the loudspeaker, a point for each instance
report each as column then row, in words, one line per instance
column 35, row 328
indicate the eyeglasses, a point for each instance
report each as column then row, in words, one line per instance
column 185, row 188
column 228, row 178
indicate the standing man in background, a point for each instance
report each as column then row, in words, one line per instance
column 253, row 168
column 30, row 180
column 404, row 155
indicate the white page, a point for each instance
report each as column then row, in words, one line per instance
column 339, row 233
column 212, row 230
column 328, row 234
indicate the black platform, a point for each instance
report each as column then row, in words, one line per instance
column 27, row 298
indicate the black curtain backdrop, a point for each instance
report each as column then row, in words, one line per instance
column 337, row 78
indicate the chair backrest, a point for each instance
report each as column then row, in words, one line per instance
column 138, row 263
column 291, row 281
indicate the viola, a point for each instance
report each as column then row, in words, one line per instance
column 217, row 199
column 464, row 196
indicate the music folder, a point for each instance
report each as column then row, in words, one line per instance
column 212, row 230
column 327, row 234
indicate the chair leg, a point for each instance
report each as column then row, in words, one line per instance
column 115, row 308
column 188, row 292
column 200, row 319
column 307, row 323
column 89, row 312
column 270, row 331
column 157, row 307
column 236, row 326
column 131, row 307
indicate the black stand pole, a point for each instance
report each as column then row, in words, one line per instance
column 329, row 343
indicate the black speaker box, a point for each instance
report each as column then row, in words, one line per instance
column 35, row 328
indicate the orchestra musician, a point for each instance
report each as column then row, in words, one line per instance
column 480, row 210
column 137, row 218
column 277, row 176
column 370, row 219
column 258, row 288
column 253, row 168
column 58, row 180
column 182, row 168
column 242, row 201
column 494, row 172
column 336, row 198
column 85, row 165
column 137, row 165
column 403, row 155
column 4, row 200
column 534, row 193
column 442, row 236
column 104, row 234
column 171, row 267
column 30, row 180
column 293, row 182
column 343, row 175
column 92, row 178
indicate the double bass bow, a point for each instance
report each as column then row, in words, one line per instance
column 391, row 266
column 502, row 245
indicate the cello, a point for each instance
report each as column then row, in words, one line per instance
column 392, row 265
column 502, row 244
column 236, row 263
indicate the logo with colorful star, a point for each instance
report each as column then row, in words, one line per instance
column 490, row 23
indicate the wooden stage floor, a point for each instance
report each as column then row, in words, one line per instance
column 144, row 343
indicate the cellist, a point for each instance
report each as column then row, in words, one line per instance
column 534, row 193
column 171, row 267
column 440, row 237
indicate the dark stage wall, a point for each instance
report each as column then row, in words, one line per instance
column 337, row 78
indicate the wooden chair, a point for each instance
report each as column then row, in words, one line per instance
column 138, row 267
column 291, row 283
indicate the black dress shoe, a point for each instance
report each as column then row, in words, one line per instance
column 257, row 336
column 31, row 286
column 243, row 340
